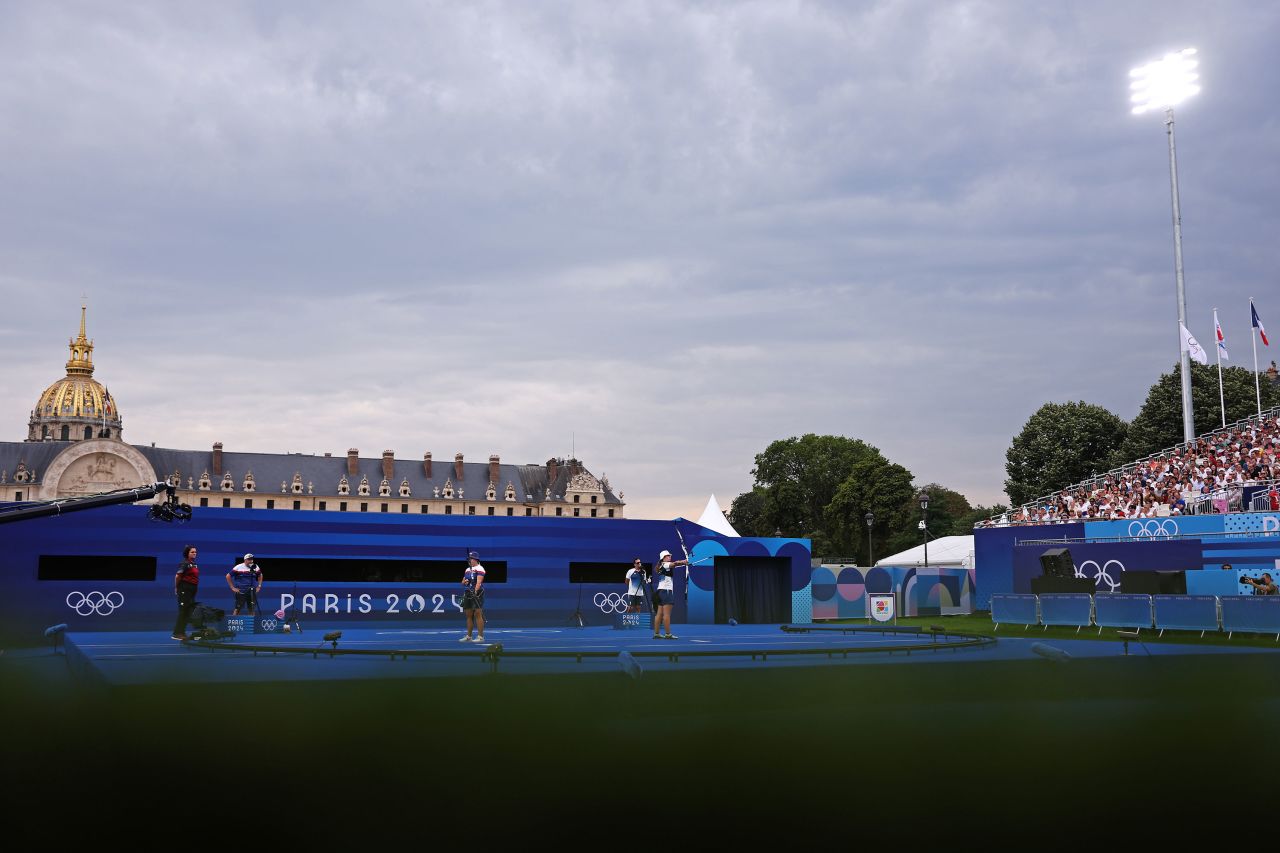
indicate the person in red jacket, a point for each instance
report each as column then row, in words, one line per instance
column 185, row 584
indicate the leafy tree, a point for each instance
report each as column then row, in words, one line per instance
column 1061, row 444
column 746, row 514
column 947, row 509
column 798, row 478
column 877, row 485
column 1158, row 425
column 978, row 513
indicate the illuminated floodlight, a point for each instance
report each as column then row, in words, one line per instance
column 1164, row 83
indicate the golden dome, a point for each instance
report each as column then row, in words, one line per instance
column 76, row 401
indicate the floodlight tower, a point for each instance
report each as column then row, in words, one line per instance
column 1166, row 83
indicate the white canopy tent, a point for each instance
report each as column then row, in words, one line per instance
column 945, row 552
column 713, row 519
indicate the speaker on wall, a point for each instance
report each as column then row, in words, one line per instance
column 1056, row 563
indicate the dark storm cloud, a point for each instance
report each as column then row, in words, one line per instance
column 663, row 233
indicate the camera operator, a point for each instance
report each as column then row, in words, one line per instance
column 245, row 581
column 1261, row 586
column 635, row 580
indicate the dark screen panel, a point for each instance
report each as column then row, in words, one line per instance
column 600, row 572
column 92, row 567
column 369, row 570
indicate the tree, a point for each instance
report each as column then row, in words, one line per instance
column 947, row 509
column 746, row 514
column 1158, row 425
column 874, row 485
column 1061, row 444
column 798, row 478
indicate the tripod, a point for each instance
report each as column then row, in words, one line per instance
column 576, row 619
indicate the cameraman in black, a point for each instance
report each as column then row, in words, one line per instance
column 1262, row 586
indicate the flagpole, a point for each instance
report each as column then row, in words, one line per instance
column 1222, row 400
column 1253, row 336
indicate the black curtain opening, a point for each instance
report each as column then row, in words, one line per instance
column 755, row 590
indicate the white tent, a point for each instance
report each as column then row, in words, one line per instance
column 945, row 552
column 713, row 519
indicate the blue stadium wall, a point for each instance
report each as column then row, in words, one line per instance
column 1199, row 544
column 537, row 553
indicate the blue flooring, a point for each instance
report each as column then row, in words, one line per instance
column 139, row 658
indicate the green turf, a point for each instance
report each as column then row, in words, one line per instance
column 980, row 623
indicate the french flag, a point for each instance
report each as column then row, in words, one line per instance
column 1222, row 342
column 1257, row 324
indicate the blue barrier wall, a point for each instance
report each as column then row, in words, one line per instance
column 537, row 553
column 1122, row 611
column 993, row 555
column 1066, row 609
column 1105, row 561
column 1213, row 582
column 1186, row 612
column 1014, row 609
column 840, row 592
column 1251, row 613
column 1249, row 541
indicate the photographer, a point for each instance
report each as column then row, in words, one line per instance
column 636, row 579
column 1261, row 586
column 245, row 581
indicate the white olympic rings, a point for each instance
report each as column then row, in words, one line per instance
column 268, row 624
column 1151, row 528
column 1101, row 575
column 611, row 602
column 103, row 604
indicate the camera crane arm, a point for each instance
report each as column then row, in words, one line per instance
column 172, row 509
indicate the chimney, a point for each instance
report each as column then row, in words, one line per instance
column 493, row 470
column 388, row 464
column 426, row 464
column 553, row 471
column 457, row 468
column 217, row 458
column 353, row 462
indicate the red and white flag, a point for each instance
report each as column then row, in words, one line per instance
column 1222, row 342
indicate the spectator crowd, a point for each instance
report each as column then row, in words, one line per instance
column 1205, row 476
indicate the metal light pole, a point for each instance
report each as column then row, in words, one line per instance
column 870, row 518
column 923, row 497
column 1164, row 84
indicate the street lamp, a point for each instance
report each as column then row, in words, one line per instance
column 1164, row 84
column 923, row 498
column 870, row 518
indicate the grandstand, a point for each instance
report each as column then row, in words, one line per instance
column 1233, row 469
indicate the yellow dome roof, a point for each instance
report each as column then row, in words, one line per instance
column 77, row 395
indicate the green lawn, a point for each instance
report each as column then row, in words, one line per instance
column 980, row 623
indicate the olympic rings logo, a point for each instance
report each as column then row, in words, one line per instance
column 611, row 602
column 86, row 603
column 268, row 624
column 1101, row 575
column 1151, row 528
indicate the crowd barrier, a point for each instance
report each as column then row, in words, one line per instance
column 1122, row 611
column 1201, row 613
column 1186, row 613
column 1015, row 609
column 1066, row 608
column 1251, row 613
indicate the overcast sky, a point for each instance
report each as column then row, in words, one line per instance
column 663, row 234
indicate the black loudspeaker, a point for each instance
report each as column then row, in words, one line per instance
column 1056, row 563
